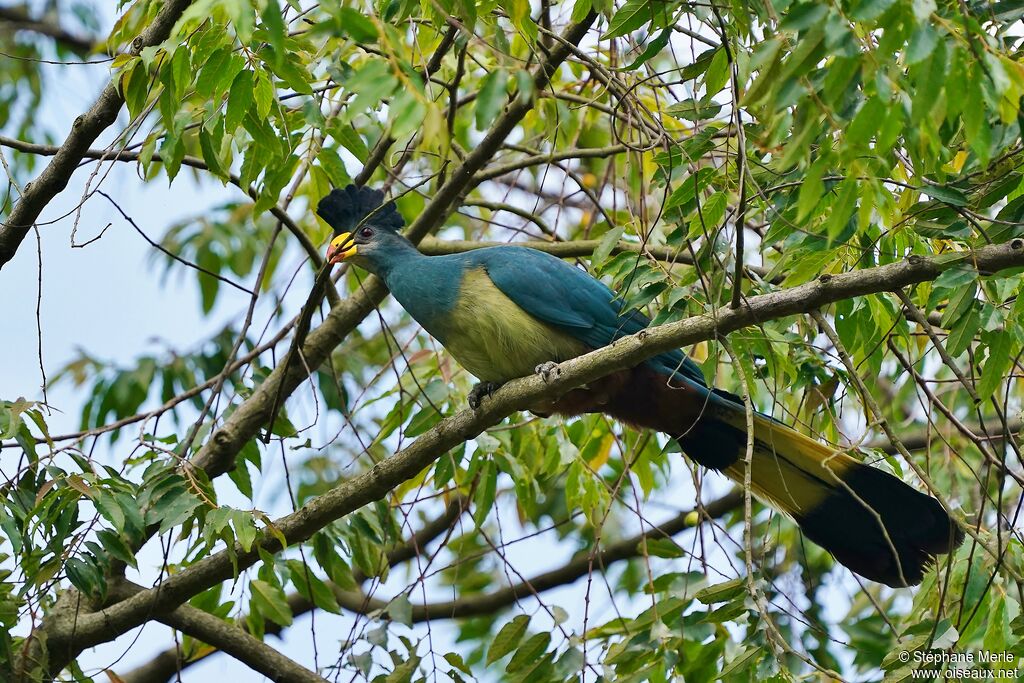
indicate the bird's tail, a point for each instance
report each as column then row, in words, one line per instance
column 871, row 521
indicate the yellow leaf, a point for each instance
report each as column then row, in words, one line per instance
column 601, row 457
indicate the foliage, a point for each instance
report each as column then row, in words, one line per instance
column 839, row 136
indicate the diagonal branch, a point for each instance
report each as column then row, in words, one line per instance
column 237, row 642
column 84, row 131
column 70, row 632
column 579, row 566
column 167, row 663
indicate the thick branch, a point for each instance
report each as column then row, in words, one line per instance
column 166, row 664
column 520, row 394
column 228, row 637
column 570, row 249
column 84, row 132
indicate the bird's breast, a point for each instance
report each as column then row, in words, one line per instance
column 496, row 340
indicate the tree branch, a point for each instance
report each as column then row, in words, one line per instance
column 559, row 155
column 84, row 132
column 70, row 633
column 579, row 566
column 570, row 249
column 277, row 211
column 234, row 640
column 167, row 663
column 18, row 19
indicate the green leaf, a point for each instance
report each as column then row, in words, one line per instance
column 372, row 82
column 492, row 98
column 400, row 609
column 508, row 638
column 311, row 587
column 945, row 193
column 422, row 421
column 529, row 651
column 922, row 43
column 85, row 576
column 294, row 74
column 173, row 509
column 633, row 15
column 867, row 121
column 960, row 301
column 348, row 138
column 662, row 547
column 997, row 362
column 455, row 659
column 721, row 592
column 607, row 243
column 963, row 331
column 803, row 16
column 357, row 25
column 868, row 10
column 273, row 22
column 264, row 95
column 842, row 209
column 742, row 661
column 580, row 10
column 116, row 546
column 334, row 167
column 137, row 89
column 212, row 72
column 181, row 70
column 692, row 110
column 976, row 128
column 957, row 277
column 717, row 74
column 206, row 146
column 240, row 99
column 483, row 499
column 688, row 188
column 270, row 601
column 653, row 48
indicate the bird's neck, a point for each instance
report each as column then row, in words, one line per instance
column 398, row 257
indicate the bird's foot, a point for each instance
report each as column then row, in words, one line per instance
column 548, row 371
column 481, row 390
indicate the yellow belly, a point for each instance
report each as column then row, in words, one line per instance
column 498, row 341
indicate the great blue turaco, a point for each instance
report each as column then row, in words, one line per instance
column 506, row 312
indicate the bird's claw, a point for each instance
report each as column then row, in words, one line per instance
column 547, row 371
column 479, row 391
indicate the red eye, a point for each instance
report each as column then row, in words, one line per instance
column 366, row 232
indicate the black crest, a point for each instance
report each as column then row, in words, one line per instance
column 345, row 209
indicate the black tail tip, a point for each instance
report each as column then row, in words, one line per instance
column 345, row 208
column 915, row 525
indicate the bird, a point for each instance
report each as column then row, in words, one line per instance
column 505, row 312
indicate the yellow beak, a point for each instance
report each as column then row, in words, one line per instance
column 341, row 248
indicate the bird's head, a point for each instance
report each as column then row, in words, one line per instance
column 365, row 228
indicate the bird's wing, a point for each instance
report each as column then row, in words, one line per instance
column 559, row 294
